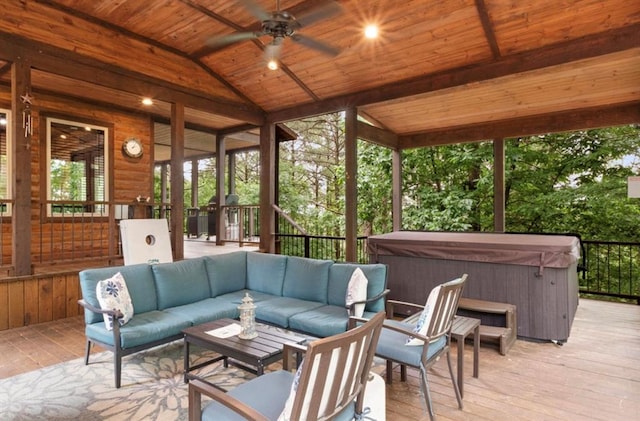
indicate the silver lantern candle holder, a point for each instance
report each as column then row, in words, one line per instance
column 247, row 318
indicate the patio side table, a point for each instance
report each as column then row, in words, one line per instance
column 461, row 328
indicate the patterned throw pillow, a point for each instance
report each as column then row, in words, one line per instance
column 288, row 406
column 425, row 317
column 113, row 295
column 357, row 291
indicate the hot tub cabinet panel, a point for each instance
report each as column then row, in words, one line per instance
column 536, row 273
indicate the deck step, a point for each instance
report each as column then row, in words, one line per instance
column 504, row 335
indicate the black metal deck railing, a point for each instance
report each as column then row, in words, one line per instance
column 611, row 269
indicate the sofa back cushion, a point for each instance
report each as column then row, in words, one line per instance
column 306, row 279
column 227, row 272
column 340, row 273
column 265, row 272
column 139, row 279
column 180, row 283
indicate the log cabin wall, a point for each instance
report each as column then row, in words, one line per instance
column 46, row 297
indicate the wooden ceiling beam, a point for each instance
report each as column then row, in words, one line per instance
column 67, row 63
column 586, row 47
column 527, row 126
column 377, row 135
column 487, row 26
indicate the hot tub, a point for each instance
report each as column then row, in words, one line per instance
column 536, row 273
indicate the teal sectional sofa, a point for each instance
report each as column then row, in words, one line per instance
column 305, row 295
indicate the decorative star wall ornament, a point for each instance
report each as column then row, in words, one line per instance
column 26, row 115
column 26, row 98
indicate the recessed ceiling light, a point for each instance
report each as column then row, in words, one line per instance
column 371, row 31
column 272, row 64
column 147, row 101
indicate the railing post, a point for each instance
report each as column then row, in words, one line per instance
column 307, row 246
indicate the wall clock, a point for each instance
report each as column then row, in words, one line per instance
column 132, row 147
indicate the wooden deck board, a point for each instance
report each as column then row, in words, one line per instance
column 594, row 376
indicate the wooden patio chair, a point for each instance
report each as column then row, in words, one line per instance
column 437, row 316
column 330, row 384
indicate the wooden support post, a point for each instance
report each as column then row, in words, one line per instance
column 177, row 180
column 498, row 186
column 396, row 189
column 221, row 225
column 267, row 187
column 351, row 184
column 22, row 138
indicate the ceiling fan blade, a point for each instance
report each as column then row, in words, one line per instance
column 223, row 41
column 315, row 44
column 326, row 10
column 256, row 10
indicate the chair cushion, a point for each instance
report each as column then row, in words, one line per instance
column 180, row 283
column 357, row 291
column 226, row 272
column 113, row 294
column 390, row 345
column 267, row 394
column 306, row 279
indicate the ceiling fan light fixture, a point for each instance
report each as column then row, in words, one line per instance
column 272, row 64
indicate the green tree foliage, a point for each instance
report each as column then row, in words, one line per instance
column 574, row 182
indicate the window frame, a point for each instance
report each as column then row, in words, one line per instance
column 7, row 211
column 99, row 211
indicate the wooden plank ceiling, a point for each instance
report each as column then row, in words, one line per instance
column 440, row 72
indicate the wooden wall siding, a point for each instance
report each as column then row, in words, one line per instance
column 52, row 238
column 38, row 299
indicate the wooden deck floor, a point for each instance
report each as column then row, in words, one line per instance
column 594, row 376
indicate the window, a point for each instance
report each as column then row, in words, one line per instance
column 5, row 162
column 76, row 176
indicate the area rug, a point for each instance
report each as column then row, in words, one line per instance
column 152, row 387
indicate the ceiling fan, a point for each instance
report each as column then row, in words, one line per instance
column 281, row 24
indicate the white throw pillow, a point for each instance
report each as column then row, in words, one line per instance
column 357, row 291
column 288, row 406
column 113, row 295
column 425, row 317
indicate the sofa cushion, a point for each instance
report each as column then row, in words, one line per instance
column 323, row 321
column 226, row 272
column 278, row 310
column 142, row 329
column 306, row 279
column 265, row 272
column 340, row 274
column 139, row 283
column 236, row 297
column 207, row 310
column 180, row 283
